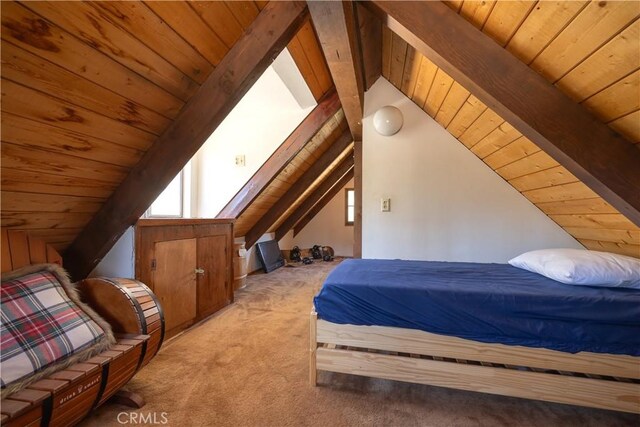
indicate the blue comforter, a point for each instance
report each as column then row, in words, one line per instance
column 494, row 303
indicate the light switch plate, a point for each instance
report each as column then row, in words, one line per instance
column 240, row 160
column 385, row 205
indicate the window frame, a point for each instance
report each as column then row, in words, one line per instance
column 346, row 207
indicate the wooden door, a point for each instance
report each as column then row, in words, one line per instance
column 174, row 280
column 212, row 283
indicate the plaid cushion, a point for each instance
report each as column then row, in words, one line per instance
column 40, row 326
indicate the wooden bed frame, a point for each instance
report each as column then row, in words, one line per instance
column 596, row 380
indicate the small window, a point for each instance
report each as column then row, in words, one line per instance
column 169, row 202
column 350, row 206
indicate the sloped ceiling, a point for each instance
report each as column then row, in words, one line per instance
column 589, row 50
column 87, row 87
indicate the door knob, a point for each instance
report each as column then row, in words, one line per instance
column 199, row 270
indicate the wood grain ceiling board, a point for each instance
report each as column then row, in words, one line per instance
column 589, row 51
column 320, row 143
column 87, row 87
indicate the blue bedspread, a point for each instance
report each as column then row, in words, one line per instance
column 494, row 303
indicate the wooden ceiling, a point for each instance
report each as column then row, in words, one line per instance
column 87, row 87
column 589, row 50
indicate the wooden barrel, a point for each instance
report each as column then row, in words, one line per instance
column 130, row 307
column 239, row 266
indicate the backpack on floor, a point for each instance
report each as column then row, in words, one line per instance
column 295, row 254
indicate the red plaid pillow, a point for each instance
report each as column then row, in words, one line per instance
column 44, row 326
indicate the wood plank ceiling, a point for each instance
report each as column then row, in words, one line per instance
column 87, row 87
column 589, row 50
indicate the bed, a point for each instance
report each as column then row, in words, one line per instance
column 491, row 328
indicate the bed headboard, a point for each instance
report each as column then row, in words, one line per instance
column 19, row 249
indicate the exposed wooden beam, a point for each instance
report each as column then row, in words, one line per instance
column 319, row 201
column 339, row 36
column 599, row 157
column 226, row 85
column 296, row 190
column 329, row 181
column 370, row 27
column 325, row 110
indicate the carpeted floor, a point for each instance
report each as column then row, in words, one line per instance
column 248, row 366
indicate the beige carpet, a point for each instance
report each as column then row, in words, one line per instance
column 248, row 366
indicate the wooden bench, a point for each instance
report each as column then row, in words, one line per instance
column 67, row 396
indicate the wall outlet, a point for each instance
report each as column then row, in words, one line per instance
column 240, row 160
column 385, row 205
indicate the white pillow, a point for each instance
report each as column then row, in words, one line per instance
column 582, row 267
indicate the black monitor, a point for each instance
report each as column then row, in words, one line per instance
column 269, row 255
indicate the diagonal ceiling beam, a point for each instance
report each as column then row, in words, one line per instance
column 226, row 85
column 314, row 203
column 338, row 32
column 325, row 110
column 599, row 157
column 297, row 189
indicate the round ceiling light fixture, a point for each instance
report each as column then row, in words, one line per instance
column 388, row 120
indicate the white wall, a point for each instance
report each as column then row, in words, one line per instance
column 326, row 228
column 258, row 124
column 120, row 261
column 446, row 204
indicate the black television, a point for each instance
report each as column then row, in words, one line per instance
column 269, row 255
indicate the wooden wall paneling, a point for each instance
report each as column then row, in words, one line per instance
column 32, row 134
column 425, row 78
column 5, row 255
column 466, row 116
column 541, row 26
column 627, row 237
column 37, row 250
column 186, row 22
column 220, row 19
column 412, row 64
column 29, row 31
column 31, row 202
column 398, row 55
column 136, row 18
column 337, row 188
column 23, row 101
column 579, row 207
column 244, row 11
column 370, row 27
column 30, row 70
column 313, row 52
column 19, row 249
column 617, row 100
column 551, row 120
column 571, row 191
column 545, row 178
column 387, row 35
column 454, row 4
column 530, row 164
column 498, row 138
column 284, row 154
column 226, row 85
column 84, row 21
column 296, row 190
column 629, row 126
column 44, row 219
column 439, row 89
column 624, row 249
column 615, row 60
column 486, row 123
column 302, row 62
column 506, row 18
column 261, row 3
column 454, row 101
column 314, row 203
column 596, row 24
column 337, row 30
column 607, row 221
column 477, row 12
column 512, row 152
column 35, row 182
column 34, row 160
